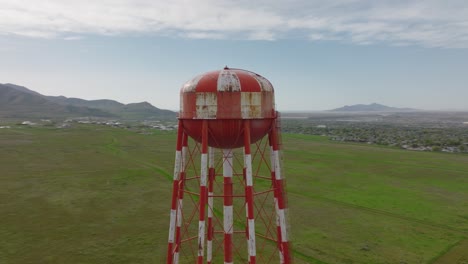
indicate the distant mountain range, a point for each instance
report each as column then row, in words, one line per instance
column 371, row 108
column 20, row 102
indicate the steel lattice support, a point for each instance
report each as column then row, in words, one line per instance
column 228, row 205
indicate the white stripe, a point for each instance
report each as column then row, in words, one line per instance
column 206, row 105
column 201, row 237
column 227, row 162
column 179, row 213
column 252, row 250
column 251, row 105
column 227, row 262
column 172, row 226
column 211, row 157
column 277, row 166
column 282, row 219
column 248, row 170
column 228, row 82
column 277, row 211
column 176, row 258
column 177, row 165
column 209, row 251
column 228, row 219
column 203, row 169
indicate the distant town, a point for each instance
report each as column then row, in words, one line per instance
column 418, row 131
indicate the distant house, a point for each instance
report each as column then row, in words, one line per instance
column 28, row 123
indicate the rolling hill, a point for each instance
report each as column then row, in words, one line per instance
column 21, row 102
column 371, row 108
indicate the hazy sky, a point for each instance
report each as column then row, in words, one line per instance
column 318, row 54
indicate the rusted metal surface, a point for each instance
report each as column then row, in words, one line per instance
column 251, row 105
column 228, row 81
column 239, row 94
column 228, row 94
column 206, row 105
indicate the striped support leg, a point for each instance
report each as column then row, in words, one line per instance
column 249, row 195
column 203, row 192
column 181, row 199
column 227, row 208
column 280, row 203
column 211, row 175
column 175, row 191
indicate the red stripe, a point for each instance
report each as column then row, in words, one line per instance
column 175, row 193
column 280, row 194
column 202, row 202
column 177, row 239
column 169, row 254
column 286, row 253
column 184, row 141
column 210, row 229
column 227, row 247
column 229, row 105
column 188, row 104
column 249, row 195
column 208, row 83
column 252, row 260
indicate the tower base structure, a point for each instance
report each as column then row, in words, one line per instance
column 228, row 203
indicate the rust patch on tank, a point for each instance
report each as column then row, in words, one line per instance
column 251, row 105
column 228, row 82
column 206, row 105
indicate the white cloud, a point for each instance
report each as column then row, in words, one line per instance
column 73, row 38
column 429, row 23
column 203, row 35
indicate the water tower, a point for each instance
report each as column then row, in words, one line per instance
column 228, row 198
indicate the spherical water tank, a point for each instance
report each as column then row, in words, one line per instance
column 225, row 98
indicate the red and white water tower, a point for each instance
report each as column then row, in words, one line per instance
column 228, row 198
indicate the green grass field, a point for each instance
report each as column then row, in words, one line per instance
column 94, row 194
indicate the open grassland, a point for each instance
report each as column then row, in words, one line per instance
column 93, row 194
